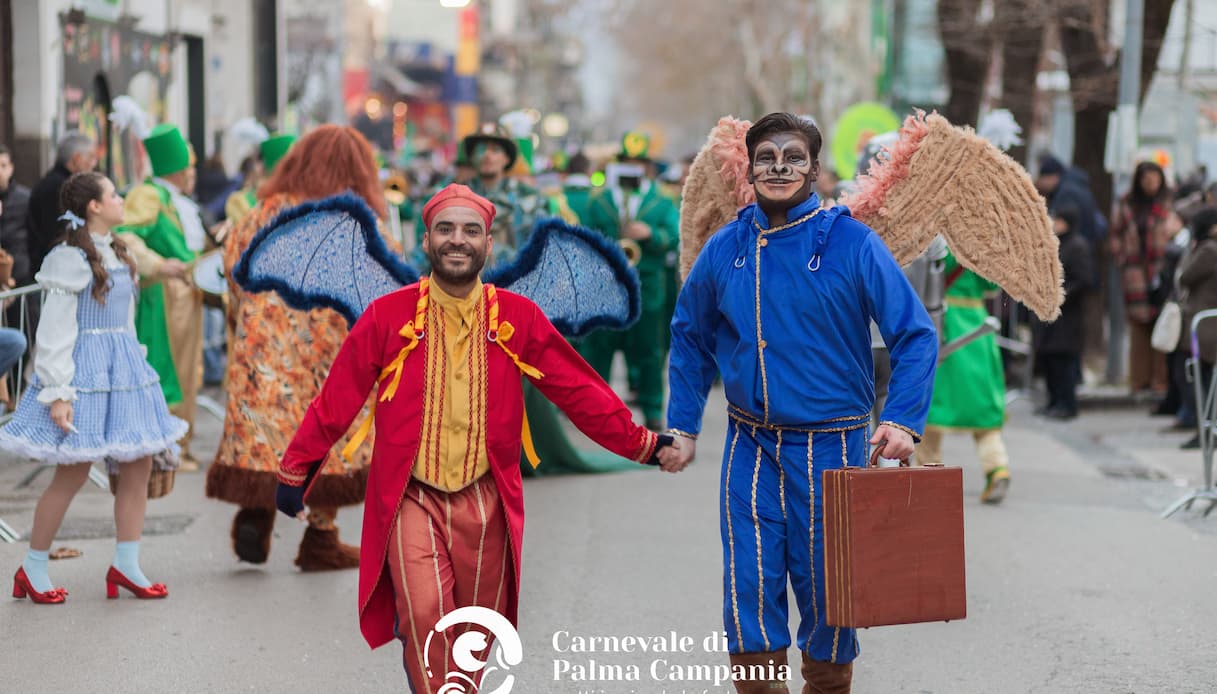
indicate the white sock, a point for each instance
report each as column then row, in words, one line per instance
column 35, row 565
column 126, row 560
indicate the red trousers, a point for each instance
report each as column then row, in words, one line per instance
column 446, row 550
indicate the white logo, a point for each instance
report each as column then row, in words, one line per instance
column 509, row 651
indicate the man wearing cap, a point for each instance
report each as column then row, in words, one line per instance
column 634, row 211
column 163, row 229
column 444, row 489
column 517, row 204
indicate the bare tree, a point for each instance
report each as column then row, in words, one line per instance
column 742, row 57
column 1094, row 77
column 967, row 43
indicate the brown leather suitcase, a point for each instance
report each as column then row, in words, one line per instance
column 893, row 545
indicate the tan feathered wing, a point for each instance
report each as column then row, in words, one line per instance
column 717, row 187
column 936, row 179
column 948, row 180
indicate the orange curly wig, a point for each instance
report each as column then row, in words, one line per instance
column 331, row 159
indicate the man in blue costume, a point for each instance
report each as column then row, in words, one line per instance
column 780, row 302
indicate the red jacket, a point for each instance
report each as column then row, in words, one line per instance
column 372, row 344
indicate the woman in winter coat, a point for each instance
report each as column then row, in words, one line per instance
column 1142, row 226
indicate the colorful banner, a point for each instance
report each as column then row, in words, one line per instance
column 102, row 60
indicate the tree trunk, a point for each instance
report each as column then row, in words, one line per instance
column 1095, row 85
column 1022, row 35
column 967, row 46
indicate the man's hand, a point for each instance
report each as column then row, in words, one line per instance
column 172, row 267
column 638, row 231
column 61, row 415
column 290, row 500
column 897, row 444
column 677, row 457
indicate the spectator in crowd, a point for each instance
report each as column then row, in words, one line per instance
column 1143, row 225
column 1063, row 185
column 76, row 152
column 213, row 184
column 14, row 242
column 1198, row 285
column 1058, row 345
column 1178, row 400
column 14, row 212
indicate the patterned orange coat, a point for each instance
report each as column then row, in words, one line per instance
column 278, row 359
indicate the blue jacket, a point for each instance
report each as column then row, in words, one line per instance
column 792, row 336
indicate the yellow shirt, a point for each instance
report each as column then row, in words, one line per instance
column 452, row 450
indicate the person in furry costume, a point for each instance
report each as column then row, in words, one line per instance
column 797, row 374
column 279, row 359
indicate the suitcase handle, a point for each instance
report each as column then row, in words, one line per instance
column 904, row 462
column 874, row 459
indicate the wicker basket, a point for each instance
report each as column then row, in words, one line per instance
column 160, row 481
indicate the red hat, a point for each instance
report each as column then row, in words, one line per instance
column 457, row 195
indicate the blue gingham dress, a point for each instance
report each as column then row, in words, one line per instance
column 120, row 413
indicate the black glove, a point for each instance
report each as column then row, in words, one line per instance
column 665, row 440
column 290, row 499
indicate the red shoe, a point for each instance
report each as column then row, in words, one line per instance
column 115, row 578
column 22, row 588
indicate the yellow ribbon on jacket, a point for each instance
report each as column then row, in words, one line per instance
column 500, row 334
column 412, row 331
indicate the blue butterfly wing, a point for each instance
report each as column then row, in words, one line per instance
column 580, row 279
column 326, row 253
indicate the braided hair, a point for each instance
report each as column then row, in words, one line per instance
column 75, row 196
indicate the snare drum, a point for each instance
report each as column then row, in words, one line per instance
column 208, row 275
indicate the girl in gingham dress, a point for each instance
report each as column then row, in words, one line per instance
column 93, row 397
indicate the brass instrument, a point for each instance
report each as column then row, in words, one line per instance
column 396, row 189
column 631, row 249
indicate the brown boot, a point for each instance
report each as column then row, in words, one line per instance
column 251, row 530
column 820, row 677
column 766, row 672
column 320, row 550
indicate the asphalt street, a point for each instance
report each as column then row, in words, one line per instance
column 1074, row 585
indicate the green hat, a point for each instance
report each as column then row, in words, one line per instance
column 524, row 144
column 491, row 133
column 167, row 150
column 273, row 149
column 635, row 145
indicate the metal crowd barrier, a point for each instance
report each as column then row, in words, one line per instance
column 1206, row 422
column 1009, row 341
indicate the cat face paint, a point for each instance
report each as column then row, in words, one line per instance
column 782, row 171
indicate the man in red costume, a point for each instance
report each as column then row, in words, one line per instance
column 444, row 516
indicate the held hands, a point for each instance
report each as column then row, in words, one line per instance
column 897, row 444
column 677, row 455
column 61, row 415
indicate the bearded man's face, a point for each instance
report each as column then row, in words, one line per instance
column 457, row 244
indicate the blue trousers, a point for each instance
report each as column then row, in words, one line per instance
column 772, row 526
column 12, row 346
